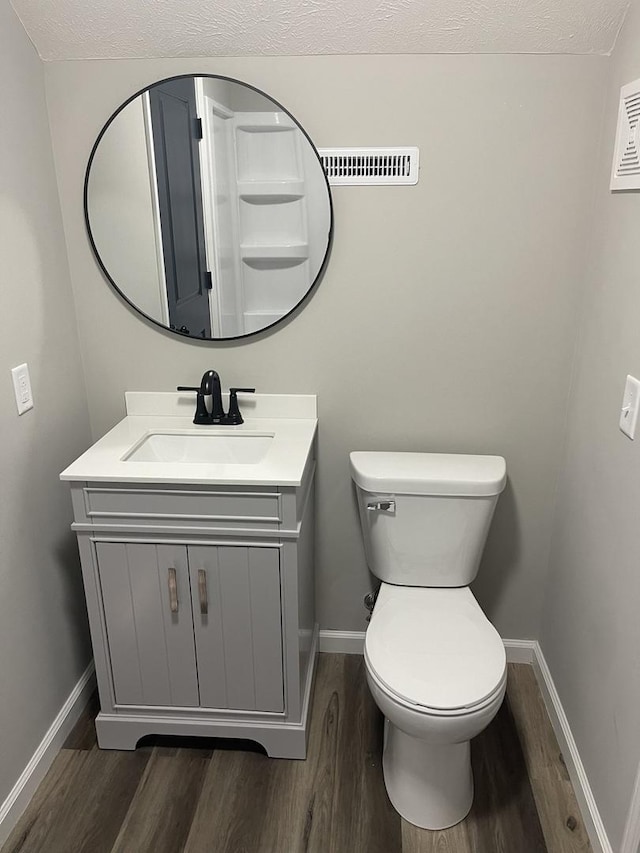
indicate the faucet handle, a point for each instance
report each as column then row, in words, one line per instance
column 201, row 415
column 234, row 417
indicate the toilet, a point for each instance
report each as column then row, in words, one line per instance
column 435, row 665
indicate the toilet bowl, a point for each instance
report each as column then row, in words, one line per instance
column 435, row 665
column 437, row 670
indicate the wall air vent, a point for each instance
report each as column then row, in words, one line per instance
column 625, row 174
column 370, row 165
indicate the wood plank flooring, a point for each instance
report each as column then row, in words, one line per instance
column 185, row 796
column 552, row 790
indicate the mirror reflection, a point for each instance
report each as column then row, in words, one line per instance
column 207, row 207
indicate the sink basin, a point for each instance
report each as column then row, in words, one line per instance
column 230, row 448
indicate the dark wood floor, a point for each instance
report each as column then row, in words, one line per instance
column 215, row 797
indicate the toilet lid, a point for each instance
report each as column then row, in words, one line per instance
column 406, row 473
column 434, row 647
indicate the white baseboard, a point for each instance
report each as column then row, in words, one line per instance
column 520, row 651
column 584, row 795
column 42, row 758
column 631, row 838
column 352, row 643
column 342, row 642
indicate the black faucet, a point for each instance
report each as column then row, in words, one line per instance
column 210, row 387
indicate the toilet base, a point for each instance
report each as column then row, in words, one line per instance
column 429, row 784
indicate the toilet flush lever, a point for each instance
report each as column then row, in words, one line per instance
column 382, row 506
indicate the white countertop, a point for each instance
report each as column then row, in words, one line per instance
column 282, row 465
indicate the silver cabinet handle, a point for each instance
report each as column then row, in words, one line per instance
column 382, row 506
column 202, row 592
column 173, row 591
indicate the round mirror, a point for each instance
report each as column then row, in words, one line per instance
column 207, row 207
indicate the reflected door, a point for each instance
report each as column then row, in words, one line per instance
column 176, row 137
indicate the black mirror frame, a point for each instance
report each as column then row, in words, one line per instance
column 105, row 272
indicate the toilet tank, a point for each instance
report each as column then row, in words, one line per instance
column 425, row 516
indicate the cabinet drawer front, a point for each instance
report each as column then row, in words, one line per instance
column 161, row 507
column 238, row 626
column 146, row 604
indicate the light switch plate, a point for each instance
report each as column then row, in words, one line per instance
column 630, row 403
column 22, row 388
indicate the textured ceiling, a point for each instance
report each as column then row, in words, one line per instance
column 110, row 29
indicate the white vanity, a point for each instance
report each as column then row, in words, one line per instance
column 197, row 548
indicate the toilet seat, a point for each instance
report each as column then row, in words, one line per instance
column 438, row 713
column 434, row 649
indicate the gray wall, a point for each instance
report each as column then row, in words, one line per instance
column 43, row 638
column 446, row 320
column 591, row 630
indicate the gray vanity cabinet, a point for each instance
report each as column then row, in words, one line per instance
column 158, row 599
column 201, row 610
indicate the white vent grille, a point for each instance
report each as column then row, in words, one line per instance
column 370, row 165
column 625, row 174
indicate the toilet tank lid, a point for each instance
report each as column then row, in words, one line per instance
column 428, row 473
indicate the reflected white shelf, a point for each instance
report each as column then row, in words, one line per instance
column 270, row 192
column 269, row 257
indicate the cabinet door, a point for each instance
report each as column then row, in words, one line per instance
column 147, row 610
column 238, row 626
